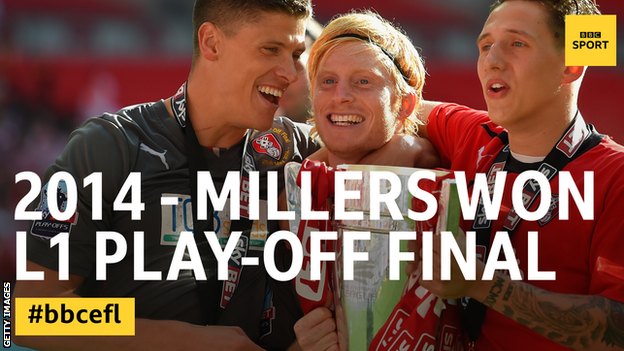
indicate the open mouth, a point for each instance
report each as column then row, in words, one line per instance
column 272, row 95
column 496, row 87
column 345, row 120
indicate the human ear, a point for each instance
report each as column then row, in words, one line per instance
column 209, row 35
column 572, row 73
column 408, row 104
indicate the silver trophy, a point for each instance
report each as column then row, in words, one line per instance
column 363, row 304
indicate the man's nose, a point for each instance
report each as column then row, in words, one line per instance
column 288, row 71
column 495, row 57
column 343, row 92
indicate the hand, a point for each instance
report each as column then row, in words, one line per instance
column 458, row 286
column 413, row 266
column 316, row 331
column 404, row 151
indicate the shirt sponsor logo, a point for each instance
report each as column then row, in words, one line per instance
column 553, row 211
column 571, row 142
column 179, row 218
column 234, row 270
column 259, row 228
column 268, row 313
column 179, row 106
column 176, row 219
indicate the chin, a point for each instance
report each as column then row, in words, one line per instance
column 495, row 115
column 264, row 123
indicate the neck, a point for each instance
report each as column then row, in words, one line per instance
column 334, row 160
column 537, row 143
column 210, row 119
column 537, row 139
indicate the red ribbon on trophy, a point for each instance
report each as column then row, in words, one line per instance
column 315, row 293
column 421, row 320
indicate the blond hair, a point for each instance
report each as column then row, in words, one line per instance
column 396, row 48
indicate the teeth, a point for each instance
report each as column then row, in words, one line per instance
column 345, row 120
column 497, row 86
column 271, row 91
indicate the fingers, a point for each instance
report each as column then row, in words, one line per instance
column 455, row 283
column 327, row 343
column 412, row 267
column 316, row 331
column 413, row 246
column 316, row 317
column 330, row 300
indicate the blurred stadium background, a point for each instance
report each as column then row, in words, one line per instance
column 62, row 61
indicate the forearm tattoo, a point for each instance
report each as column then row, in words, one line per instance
column 496, row 289
column 614, row 335
column 580, row 323
column 510, row 288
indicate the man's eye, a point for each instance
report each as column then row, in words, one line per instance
column 364, row 81
column 274, row 50
column 486, row 47
column 329, row 81
column 518, row 44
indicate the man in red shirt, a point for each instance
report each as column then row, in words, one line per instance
column 533, row 123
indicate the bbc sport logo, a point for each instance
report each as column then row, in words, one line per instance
column 590, row 44
column 590, row 40
column 590, row 35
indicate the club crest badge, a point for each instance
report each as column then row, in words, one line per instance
column 268, row 144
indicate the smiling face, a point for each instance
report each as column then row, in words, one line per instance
column 519, row 67
column 353, row 100
column 256, row 65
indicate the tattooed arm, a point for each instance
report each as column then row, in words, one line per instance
column 580, row 322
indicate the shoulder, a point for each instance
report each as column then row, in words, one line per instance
column 604, row 163
column 297, row 127
column 301, row 132
column 607, row 155
column 445, row 110
column 429, row 109
column 285, row 141
column 131, row 125
column 114, row 138
column 147, row 117
column 451, row 119
column 136, row 116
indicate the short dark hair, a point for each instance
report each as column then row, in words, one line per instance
column 557, row 10
column 228, row 14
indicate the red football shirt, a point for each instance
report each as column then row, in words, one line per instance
column 587, row 255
